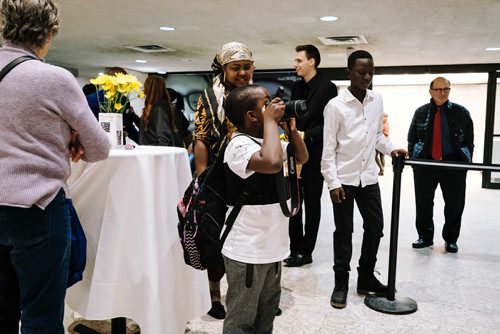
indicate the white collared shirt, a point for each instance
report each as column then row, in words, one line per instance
column 352, row 133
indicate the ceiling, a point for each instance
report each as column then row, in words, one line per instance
column 94, row 33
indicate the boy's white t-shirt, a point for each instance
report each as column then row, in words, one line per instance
column 260, row 232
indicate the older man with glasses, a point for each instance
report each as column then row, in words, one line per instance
column 440, row 130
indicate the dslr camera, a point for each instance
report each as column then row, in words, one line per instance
column 293, row 109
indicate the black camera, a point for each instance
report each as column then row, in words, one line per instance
column 293, row 109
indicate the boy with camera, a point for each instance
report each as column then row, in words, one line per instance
column 258, row 240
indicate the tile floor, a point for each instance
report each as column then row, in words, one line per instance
column 455, row 293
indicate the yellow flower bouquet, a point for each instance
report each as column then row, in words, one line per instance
column 117, row 91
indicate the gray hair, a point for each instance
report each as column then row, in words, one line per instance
column 28, row 22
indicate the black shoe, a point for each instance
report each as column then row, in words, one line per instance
column 368, row 284
column 279, row 312
column 217, row 311
column 299, row 260
column 290, row 258
column 421, row 243
column 339, row 294
column 339, row 298
column 451, row 247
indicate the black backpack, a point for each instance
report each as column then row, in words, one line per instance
column 202, row 213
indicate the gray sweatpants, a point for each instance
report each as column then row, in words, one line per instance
column 251, row 309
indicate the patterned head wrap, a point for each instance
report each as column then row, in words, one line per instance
column 232, row 51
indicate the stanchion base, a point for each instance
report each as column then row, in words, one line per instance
column 82, row 329
column 403, row 305
column 118, row 326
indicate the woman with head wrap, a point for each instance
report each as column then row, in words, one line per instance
column 233, row 67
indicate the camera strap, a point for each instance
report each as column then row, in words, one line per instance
column 289, row 187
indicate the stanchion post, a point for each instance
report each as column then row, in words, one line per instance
column 389, row 304
column 118, row 326
column 398, row 165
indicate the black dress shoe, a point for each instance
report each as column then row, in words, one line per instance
column 371, row 286
column 421, row 243
column 299, row 260
column 290, row 258
column 451, row 247
column 217, row 311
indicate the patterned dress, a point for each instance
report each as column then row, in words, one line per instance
column 210, row 123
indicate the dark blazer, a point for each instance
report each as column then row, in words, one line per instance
column 460, row 127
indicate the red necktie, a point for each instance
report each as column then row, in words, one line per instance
column 436, row 139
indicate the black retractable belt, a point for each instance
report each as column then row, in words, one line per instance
column 291, row 187
column 13, row 64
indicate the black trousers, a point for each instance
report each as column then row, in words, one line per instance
column 303, row 236
column 369, row 204
column 452, row 183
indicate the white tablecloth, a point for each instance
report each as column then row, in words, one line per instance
column 135, row 266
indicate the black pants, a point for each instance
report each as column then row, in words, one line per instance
column 452, row 183
column 303, row 236
column 369, row 204
column 215, row 274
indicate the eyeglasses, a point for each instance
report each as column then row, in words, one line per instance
column 440, row 90
column 192, row 98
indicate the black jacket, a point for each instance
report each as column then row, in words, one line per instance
column 158, row 132
column 317, row 93
column 422, row 125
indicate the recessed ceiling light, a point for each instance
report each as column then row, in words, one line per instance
column 161, row 72
column 165, row 28
column 328, row 18
column 492, row 49
column 141, row 61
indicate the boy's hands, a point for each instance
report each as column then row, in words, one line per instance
column 337, row 195
column 274, row 110
column 288, row 126
column 398, row 152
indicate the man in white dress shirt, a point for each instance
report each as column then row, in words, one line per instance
column 352, row 134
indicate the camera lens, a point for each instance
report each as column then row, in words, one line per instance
column 295, row 109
